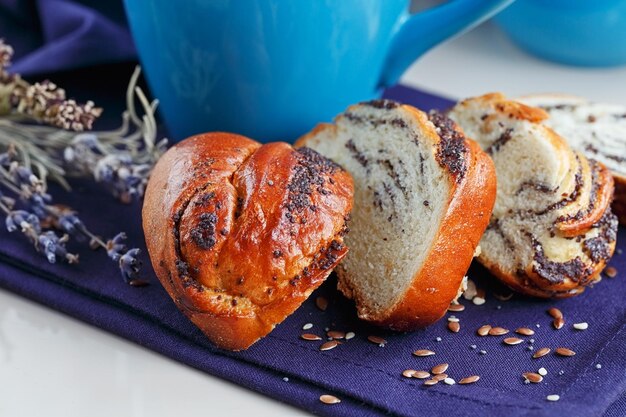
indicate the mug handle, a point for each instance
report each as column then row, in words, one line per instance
column 421, row 31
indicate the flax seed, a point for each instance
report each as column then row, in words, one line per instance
column 336, row 334
column 532, row 377
column 430, row 382
column 541, row 353
column 525, row 331
column 483, row 330
column 454, row 326
column 329, row 345
column 440, row 377
column 310, row 337
column 423, row 352
column 558, row 323
column 350, row 335
column 611, row 272
column 555, row 313
column 497, row 331
column 421, row 374
column 512, row 341
column 377, row 340
column 564, row 352
column 329, row 399
column 439, row 369
column 469, row 380
column 408, row 373
column 455, row 308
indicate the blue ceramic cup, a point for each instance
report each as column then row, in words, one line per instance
column 573, row 32
column 272, row 69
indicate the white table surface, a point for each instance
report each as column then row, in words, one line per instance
column 53, row 365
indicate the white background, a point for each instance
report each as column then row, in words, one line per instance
column 52, row 365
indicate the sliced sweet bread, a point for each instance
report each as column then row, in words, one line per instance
column 423, row 198
column 597, row 130
column 552, row 230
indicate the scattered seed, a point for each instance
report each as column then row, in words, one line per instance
column 307, row 326
column 503, row 297
column 483, row 330
column 499, row 307
column 532, row 377
column 478, row 301
column 513, row 341
column 329, row 399
column 611, row 272
column 408, row 373
column 497, row 331
column 421, row 374
column 329, row 345
column 531, row 341
column 321, row 303
column 555, row 313
column 285, row 379
column 558, row 323
column 561, row 372
column 538, row 325
column 456, row 307
column 541, row 353
column 581, row 326
column 439, row 369
column 542, row 371
column 377, row 340
column 430, row 382
column 483, row 352
column 350, row 335
column 336, row 334
column 469, row 379
column 423, row 352
column 529, row 348
column 553, row 397
column 598, row 366
column 473, row 346
column 564, row 352
column 525, row 331
column 440, row 377
column 449, row 381
column 438, row 339
column 454, row 326
column 453, row 319
column 310, row 337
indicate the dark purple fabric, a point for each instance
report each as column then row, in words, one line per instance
column 57, row 34
column 52, row 35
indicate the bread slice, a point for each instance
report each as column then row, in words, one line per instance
column 595, row 129
column 423, row 197
column 552, row 229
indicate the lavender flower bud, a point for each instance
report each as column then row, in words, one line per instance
column 130, row 264
column 116, row 246
column 23, row 219
column 52, row 246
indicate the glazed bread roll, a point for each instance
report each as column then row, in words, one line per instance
column 423, row 197
column 598, row 130
column 552, row 230
column 240, row 233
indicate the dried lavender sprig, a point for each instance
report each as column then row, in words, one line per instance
column 40, row 216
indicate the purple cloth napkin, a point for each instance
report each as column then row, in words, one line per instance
column 56, row 34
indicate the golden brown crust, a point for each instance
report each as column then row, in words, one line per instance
column 464, row 223
column 241, row 233
column 619, row 199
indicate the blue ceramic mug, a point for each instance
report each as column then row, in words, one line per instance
column 573, row 32
column 272, row 69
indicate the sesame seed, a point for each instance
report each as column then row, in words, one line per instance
column 483, row 330
column 439, row 369
column 531, row 341
column 541, row 353
column 329, row 399
column 321, row 303
column 529, row 348
column 473, row 346
column 310, row 337
column 498, row 307
column 611, row 272
column 497, row 331
column 307, row 326
column 286, row 379
column 438, row 339
column 449, row 381
column 377, row 340
column 581, row 326
column 270, row 182
column 558, row 323
column 542, row 371
column 598, row 366
column 478, row 301
column 456, row 307
column 329, row 345
column 512, row 341
column 561, row 372
column 350, row 335
column 538, row 325
column 453, row 319
column 454, row 326
column 525, row 331
column 430, row 382
column 423, row 352
column 553, row 397
column 421, row 374
column 532, row 377
column 555, row 313
column 564, row 352
column 469, row 380
column 483, row 352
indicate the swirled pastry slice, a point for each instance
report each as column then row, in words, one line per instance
column 552, row 229
column 595, row 129
column 241, row 233
column 423, row 197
